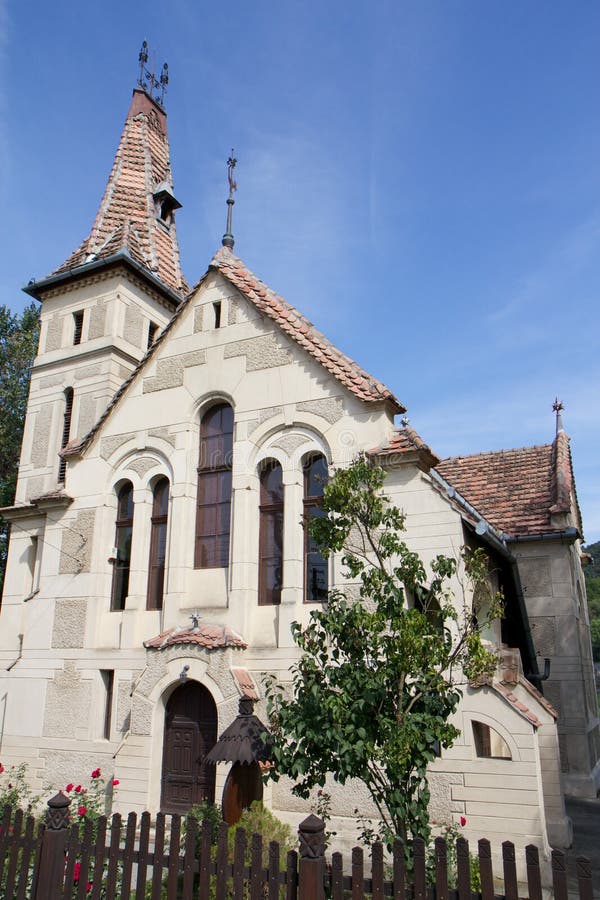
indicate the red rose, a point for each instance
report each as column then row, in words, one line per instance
column 82, row 811
column 463, row 821
column 76, row 871
column 69, row 787
column 88, row 887
column 1, row 768
column 96, row 773
column 116, row 782
column 78, row 789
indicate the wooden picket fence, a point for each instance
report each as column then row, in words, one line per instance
column 151, row 861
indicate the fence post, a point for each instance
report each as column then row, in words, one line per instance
column 52, row 856
column 311, row 837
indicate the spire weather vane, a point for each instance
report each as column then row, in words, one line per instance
column 154, row 87
column 228, row 239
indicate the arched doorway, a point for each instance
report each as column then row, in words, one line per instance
column 190, row 732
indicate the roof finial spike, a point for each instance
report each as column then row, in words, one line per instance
column 228, row 239
column 558, row 407
column 143, row 59
column 147, row 80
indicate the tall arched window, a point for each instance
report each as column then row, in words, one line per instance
column 270, row 539
column 213, row 514
column 158, row 544
column 66, row 432
column 123, row 532
column 315, row 566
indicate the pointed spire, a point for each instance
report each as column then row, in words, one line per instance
column 136, row 214
column 558, row 407
column 228, row 239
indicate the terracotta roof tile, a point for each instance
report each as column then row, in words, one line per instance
column 126, row 219
column 513, row 489
column 405, row 441
column 299, row 329
column 245, row 683
column 212, row 637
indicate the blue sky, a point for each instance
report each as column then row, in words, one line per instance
column 421, row 179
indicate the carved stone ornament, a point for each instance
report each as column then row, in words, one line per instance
column 57, row 817
column 311, row 837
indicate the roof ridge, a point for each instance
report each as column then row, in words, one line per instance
column 300, row 329
column 497, row 452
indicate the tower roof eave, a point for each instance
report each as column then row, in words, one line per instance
column 36, row 289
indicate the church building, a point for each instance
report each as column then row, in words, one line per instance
column 175, row 443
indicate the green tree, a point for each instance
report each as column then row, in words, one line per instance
column 380, row 675
column 18, row 345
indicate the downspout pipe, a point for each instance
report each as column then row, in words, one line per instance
column 498, row 540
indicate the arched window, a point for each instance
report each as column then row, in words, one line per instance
column 158, row 544
column 123, row 532
column 488, row 743
column 315, row 566
column 213, row 514
column 270, row 538
column 68, row 413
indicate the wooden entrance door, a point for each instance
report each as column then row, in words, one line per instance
column 190, row 732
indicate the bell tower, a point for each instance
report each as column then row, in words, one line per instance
column 106, row 304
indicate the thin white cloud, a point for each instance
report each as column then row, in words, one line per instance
column 572, row 251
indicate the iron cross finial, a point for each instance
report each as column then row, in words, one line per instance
column 231, row 164
column 228, row 239
column 147, row 80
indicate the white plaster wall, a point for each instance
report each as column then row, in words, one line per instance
column 285, row 407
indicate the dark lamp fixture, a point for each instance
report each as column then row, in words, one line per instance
column 184, row 674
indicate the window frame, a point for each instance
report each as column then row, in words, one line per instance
column 311, row 502
column 122, row 523
column 269, row 510
column 158, row 535
column 214, row 465
column 69, row 396
column 77, row 327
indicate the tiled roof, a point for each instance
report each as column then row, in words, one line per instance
column 126, row 219
column 212, row 637
column 513, row 489
column 303, row 332
column 405, row 441
column 245, row 683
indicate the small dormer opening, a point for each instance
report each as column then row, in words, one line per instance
column 165, row 212
column 152, row 329
column 217, row 312
column 77, row 326
column 165, row 203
